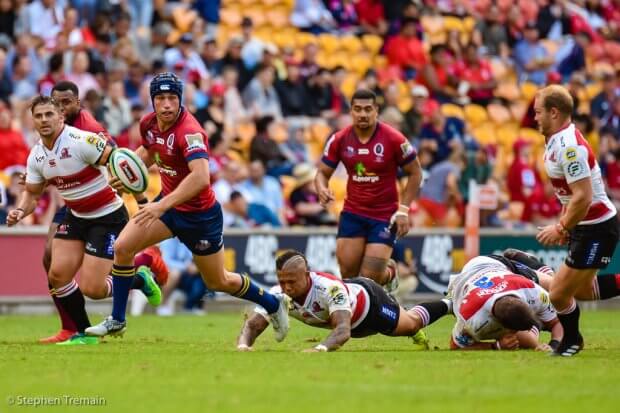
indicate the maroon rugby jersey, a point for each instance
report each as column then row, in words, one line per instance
column 85, row 121
column 173, row 149
column 372, row 167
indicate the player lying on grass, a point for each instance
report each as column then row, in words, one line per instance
column 498, row 309
column 356, row 307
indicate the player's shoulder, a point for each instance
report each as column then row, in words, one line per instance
column 188, row 124
column 149, row 120
column 388, row 132
column 565, row 138
column 86, row 121
column 341, row 133
column 324, row 282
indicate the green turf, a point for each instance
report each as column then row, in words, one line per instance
column 189, row 364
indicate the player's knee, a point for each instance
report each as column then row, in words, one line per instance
column 124, row 250
column 57, row 278
column 93, row 290
column 559, row 299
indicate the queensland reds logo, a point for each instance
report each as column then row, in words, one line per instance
column 378, row 150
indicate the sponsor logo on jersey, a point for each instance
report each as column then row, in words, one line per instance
column 52, row 163
column 490, row 291
column 388, row 312
column 406, row 148
column 163, row 168
column 63, row 229
column 64, row 153
column 170, row 141
column 109, row 246
column 361, row 175
column 149, row 137
column 592, row 253
column 570, row 154
column 159, row 141
column 316, row 307
column 575, row 169
column 378, row 149
column 96, row 141
column 195, row 141
column 89, row 247
column 339, row 299
column 350, row 152
column 39, row 158
column 202, row 245
column 363, row 151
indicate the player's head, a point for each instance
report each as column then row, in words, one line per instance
column 166, row 94
column 67, row 95
column 514, row 314
column 364, row 109
column 292, row 271
column 47, row 116
column 553, row 107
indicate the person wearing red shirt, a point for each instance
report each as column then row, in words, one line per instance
column 523, row 180
column 405, row 50
column 13, row 148
column 371, row 16
column 478, row 74
column 436, row 76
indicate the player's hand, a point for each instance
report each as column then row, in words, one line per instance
column 508, row 342
column 21, row 179
column 14, row 216
column 148, row 214
column 550, row 236
column 400, row 219
column 116, row 184
column 310, row 350
column 544, row 348
column 325, row 197
column 244, row 347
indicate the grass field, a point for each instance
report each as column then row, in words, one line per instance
column 189, row 364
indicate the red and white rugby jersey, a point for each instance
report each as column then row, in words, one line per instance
column 473, row 305
column 569, row 158
column 327, row 294
column 71, row 166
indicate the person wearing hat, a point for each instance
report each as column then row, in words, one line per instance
column 304, row 199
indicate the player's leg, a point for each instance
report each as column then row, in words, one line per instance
column 350, row 244
column 67, row 256
column 376, row 263
column 603, row 286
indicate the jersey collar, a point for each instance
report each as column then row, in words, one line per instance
column 374, row 133
column 559, row 132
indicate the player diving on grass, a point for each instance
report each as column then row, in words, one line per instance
column 498, row 306
column 73, row 160
column 66, row 94
column 372, row 219
column 355, row 307
column 174, row 140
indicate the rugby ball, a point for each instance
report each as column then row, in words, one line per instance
column 129, row 169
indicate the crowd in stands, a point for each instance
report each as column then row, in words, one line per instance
column 271, row 79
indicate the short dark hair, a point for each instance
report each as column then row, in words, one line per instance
column 234, row 195
column 44, row 100
column 364, row 94
column 514, row 314
column 55, row 62
column 287, row 255
column 65, row 85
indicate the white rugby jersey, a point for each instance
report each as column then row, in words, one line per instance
column 71, row 166
column 475, row 294
column 569, row 158
column 327, row 294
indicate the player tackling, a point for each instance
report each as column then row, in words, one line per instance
column 174, row 140
column 372, row 218
column 588, row 223
column 357, row 307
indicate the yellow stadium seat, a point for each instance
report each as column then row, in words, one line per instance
column 257, row 15
column 351, row 44
column 469, row 23
column 350, row 84
column 271, row 3
column 453, row 111
column 360, row 64
column 485, row 134
column 507, row 135
column 432, row 24
column 329, row 43
column 288, row 185
column 518, row 108
column 283, row 39
column 405, row 103
column 183, row 18
column 230, row 17
column 277, row 17
column 303, row 38
column 319, row 132
column 339, row 186
column 380, row 62
column 507, row 90
column 592, row 90
column 247, row 3
column 279, row 133
column 475, row 114
column 498, row 113
column 451, row 23
column 531, row 135
column 245, row 132
column 372, row 43
column 528, row 90
column 341, row 58
column 4, row 179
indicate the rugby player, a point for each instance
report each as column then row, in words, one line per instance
column 588, row 223
column 66, row 94
column 356, row 307
column 492, row 303
column 73, row 160
column 372, row 219
column 174, row 140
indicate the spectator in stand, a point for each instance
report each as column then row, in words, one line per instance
column 80, row 76
column 304, row 200
column 441, row 203
column 405, row 50
column 213, row 116
column 71, row 29
column 553, row 21
column 612, row 175
column 267, row 151
column 532, row 59
column 312, row 16
column 546, row 209
column 130, row 137
column 185, row 53
column 44, row 20
column 490, row 33
column 263, row 189
column 13, row 148
column 319, row 89
column 292, row 91
column 523, row 180
column 442, row 135
column 6, row 86
column 260, row 97
column 10, row 196
column 371, row 16
column 93, row 102
column 53, row 76
column 397, row 11
column 231, row 175
column 23, row 88
column 572, row 57
column 370, row 82
column 478, row 74
column 344, row 14
column 117, row 109
column 610, row 125
column 133, row 82
column 414, row 119
column 251, row 214
column 437, row 76
column 309, row 67
column 477, row 167
column 339, row 102
column 253, row 48
column 234, row 112
column 576, row 87
column 601, row 105
column 211, row 57
column 8, row 17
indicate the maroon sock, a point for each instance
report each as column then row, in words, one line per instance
column 66, row 322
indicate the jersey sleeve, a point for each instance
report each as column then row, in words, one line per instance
column 544, row 309
column 193, row 145
column 405, row 152
column 34, row 174
column 331, row 155
column 260, row 310
column 144, row 133
column 574, row 162
column 91, row 148
column 338, row 298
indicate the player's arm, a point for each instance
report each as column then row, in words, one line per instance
column 579, row 204
column 27, row 203
column 401, row 217
column 557, row 332
column 321, row 182
column 340, row 322
column 146, row 155
column 252, row 328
